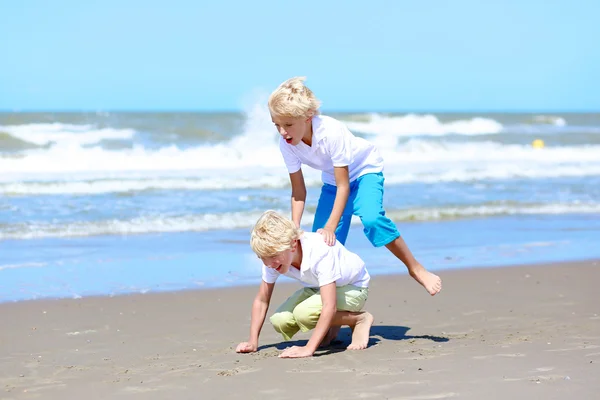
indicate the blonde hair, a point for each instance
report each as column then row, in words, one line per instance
column 273, row 234
column 293, row 99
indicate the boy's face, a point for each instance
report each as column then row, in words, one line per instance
column 282, row 261
column 291, row 129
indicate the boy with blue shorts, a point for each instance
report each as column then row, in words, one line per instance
column 352, row 174
column 335, row 289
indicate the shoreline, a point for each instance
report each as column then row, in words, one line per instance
column 284, row 281
column 522, row 331
column 106, row 265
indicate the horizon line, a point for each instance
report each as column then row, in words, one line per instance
column 366, row 111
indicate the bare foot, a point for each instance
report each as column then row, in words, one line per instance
column 331, row 335
column 431, row 282
column 361, row 331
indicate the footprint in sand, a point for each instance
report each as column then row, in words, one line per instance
column 43, row 387
column 183, row 369
column 466, row 314
column 512, row 355
column 430, row 396
column 238, row 370
column 537, row 379
column 581, row 347
column 382, row 371
column 139, row 389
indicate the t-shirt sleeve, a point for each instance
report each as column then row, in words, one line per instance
column 324, row 266
column 269, row 275
column 292, row 162
column 339, row 145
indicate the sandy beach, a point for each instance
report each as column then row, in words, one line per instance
column 520, row 332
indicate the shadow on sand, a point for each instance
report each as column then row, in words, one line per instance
column 378, row 332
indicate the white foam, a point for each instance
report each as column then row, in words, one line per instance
column 22, row 265
column 239, row 220
column 126, row 185
column 95, row 170
column 413, row 124
column 149, row 224
column 488, row 210
column 65, row 135
column 550, row 119
column 253, row 160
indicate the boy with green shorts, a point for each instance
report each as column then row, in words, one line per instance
column 335, row 289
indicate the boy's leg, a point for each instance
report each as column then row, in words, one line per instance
column 359, row 322
column 283, row 320
column 350, row 300
column 381, row 231
column 324, row 208
column 431, row 282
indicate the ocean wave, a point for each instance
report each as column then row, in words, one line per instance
column 269, row 179
column 413, row 125
column 128, row 185
column 94, row 171
column 9, row 143
column 23, row 265
column 243, row 153
column 245, row 220
column 492, row 209
column 550, row 119
column 64, row 135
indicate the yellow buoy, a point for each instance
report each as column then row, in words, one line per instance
column 537, row 144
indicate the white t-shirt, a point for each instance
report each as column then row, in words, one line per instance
column 323, row 264
column 333, row 145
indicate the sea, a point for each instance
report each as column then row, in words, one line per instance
column 110, row 203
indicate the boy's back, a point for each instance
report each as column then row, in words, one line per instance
column 323, row 264
column 333, row 145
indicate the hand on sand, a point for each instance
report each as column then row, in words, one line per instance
column 246, row 347
column 431, row 282
column 328, row 236
column 296, row 352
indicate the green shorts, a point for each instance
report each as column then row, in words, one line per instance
column 301, row 311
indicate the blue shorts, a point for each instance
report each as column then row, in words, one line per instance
column 366, row 202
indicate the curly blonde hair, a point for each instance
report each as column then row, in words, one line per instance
column 293, row 99
column 273, row 234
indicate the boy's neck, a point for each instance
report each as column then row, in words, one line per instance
column 297, row 261
column 307, row 138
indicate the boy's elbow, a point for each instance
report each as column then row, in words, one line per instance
column 261, row 300
column 299, row 194
column 344, row 187
column 329, row 307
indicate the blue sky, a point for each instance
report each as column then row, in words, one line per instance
column 420, row 55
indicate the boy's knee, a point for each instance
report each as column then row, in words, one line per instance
column 371, row 221
column 306, row 318
column 282, row 321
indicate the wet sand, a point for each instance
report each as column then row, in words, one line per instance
column 521, row 332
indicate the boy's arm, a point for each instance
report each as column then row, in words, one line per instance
column 298, row 196
column 259, row 312
column 328, row 298
column 342, row 182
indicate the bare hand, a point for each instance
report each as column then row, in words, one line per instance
column 246, row 347
column 328, row 236
column 296, row 352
